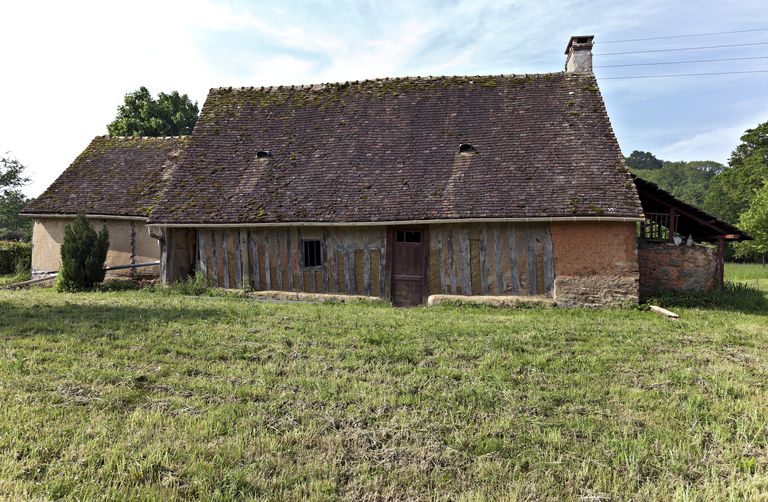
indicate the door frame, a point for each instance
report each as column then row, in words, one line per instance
column 390, row 250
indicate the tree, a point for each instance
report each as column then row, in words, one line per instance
column 688, row 181
column 732, row 192
column 754, row 221
column 12, row 200
column 643, row 160
column 142, row 115
column 83, row 253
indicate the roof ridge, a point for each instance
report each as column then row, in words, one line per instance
column 107, row 136
column 325, row 85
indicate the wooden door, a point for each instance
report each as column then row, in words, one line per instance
column 409, row 247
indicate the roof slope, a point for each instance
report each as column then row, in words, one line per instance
column 388, row 150
column 116, row 176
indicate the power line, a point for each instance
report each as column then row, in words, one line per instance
column 680, row 49
column 681, row 62
column 684, row 75
column 679, row 36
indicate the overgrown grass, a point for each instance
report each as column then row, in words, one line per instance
column 7, row 279
column 752, row 274
column 140, row 395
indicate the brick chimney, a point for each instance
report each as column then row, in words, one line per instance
column 579, row 54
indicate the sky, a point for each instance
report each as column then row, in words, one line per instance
column 67, row 65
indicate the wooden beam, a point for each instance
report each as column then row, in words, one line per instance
column 720, row 265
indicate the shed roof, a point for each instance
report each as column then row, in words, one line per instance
column 699, row 224
column 388, row 150
column 113, row 176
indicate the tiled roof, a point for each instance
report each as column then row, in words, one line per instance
column 120, row 176
column 388, row 150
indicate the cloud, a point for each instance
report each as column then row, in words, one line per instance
column 68, row 64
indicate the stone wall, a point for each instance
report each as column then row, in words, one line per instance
column 596, row 290
column 666, row 267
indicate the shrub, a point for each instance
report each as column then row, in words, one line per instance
column 83, row 253
column 15, row 256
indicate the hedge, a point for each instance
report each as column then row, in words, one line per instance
column 15, row 256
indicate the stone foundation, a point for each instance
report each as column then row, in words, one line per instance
column 666, row 267
column 596, row 290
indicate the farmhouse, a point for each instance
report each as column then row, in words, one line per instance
column 399, row 188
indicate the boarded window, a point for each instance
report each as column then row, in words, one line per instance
column 313, row 256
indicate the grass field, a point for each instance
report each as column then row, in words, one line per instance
column 157, row 396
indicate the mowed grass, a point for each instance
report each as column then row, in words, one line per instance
column 149, row 396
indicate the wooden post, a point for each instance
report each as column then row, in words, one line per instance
column 166, row 250
column 720, row 266
column 672, row 224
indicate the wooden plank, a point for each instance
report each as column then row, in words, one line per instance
column 331, row 265
column 440, row 261
column 246, row 259
column 324, row 261
column 540, row 261
column 253, row 245
column 383, row 276
column 498, row 257
column 483, row 249
column 357, row 274
column 375, row 271
column 465, row 263
column 202, row 266
column 278, row 257
column 224, row 258
column 348, row 275
column 299, row 258
column 289, row 257
column 267, row 261
column 238, row 260
column 341, row 275
column 475, row 272
column 549, row 263
column 214, row 260
column 530, row 261
column 366, row 271
column 514, row 262
column 451, row 261
column 664, row 312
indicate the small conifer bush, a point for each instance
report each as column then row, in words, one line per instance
column 83, row 253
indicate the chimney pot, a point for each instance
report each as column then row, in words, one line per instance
column 579, row 54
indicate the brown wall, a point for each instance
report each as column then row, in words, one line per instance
column 595, row 263
column 594, row 248
column 271, row 258
column 48, row 234
column 666, row 267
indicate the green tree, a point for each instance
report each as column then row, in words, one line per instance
column 754, row 221
column 83, row 253
column 688, row 181
column 732, row 192
column 140, row 114
column 643, row 160
column 12, row 200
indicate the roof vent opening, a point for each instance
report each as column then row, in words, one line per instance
column 263, row 154
column 467, row 148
